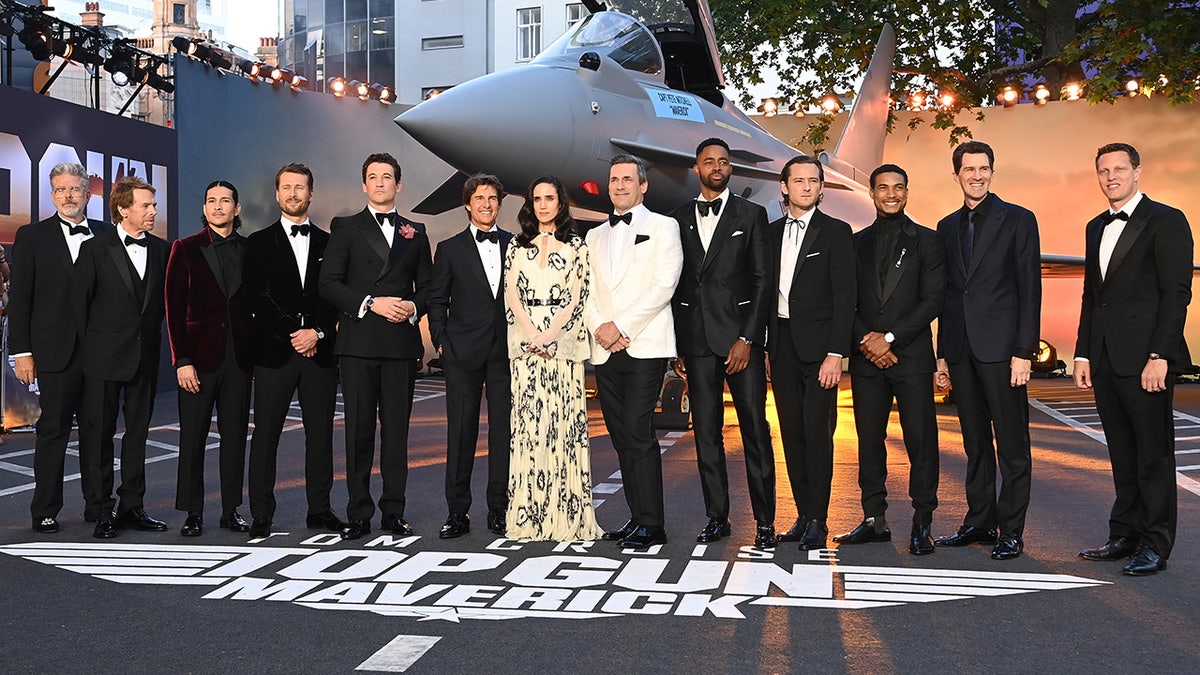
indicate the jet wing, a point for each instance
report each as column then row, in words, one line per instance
column 447, row 197
column 1071, row 266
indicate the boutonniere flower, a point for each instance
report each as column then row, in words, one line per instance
column 407, row 231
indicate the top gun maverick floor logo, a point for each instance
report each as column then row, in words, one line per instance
column 574, row 582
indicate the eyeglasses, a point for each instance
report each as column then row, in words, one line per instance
column 60, row 191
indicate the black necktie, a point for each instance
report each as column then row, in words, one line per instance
column 79, row 229
column 627, row 218
column 706, row 208
column 1108, row 218
column 301, row 230
column 130, row 241
column 385, row 218
column 492, row 236
column 968, row 243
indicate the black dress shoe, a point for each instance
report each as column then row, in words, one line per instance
column 323, row 521
column 644, row 537
column 261, row 527
column 234, row 522
column 968, row 534
column 764, row 536
column 920, row 541
column 398, row 525
column 796, row 533
column 815, row 536
column 47, row 525
column 1145, row 561
column 715, row 530
column 193, row 526
column 1117, row 548
column 456, row 525
column 497, row 522
column 1007, row 547
column 137, row 519
column 619, row 534
column 353, row 529
column 870, row 530
column 106, row 526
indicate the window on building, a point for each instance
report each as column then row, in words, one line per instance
column 575, row 13
column 529, row 33
column 179, row 14
column 430, row 92
column 447, row 42
column 356, row 36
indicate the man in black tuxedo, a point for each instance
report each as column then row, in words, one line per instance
column 208, row 324
column 42, row 339
column 901, row 286
column 1136, row 289
column 294, row 331
column 468, row 328
column 812, row 274
column 376, row 273
column 987, row 339
column 720, row 308
column 117, row 301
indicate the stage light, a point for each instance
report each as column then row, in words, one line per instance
column 379, row 92
column 254, row 69
column 1073, row 91
column 1041, row 94
column 1008, row 96
column 120, row 64
column 1163, row 81
column 1046, row 361
column 335, row 86
column 797, row 109
column 182, row 44
column 433, row 93
column 947, row 100
column 1132, row 87
column 356, row 88
column 299, row 82
column 156, row 81
column 831, row 105
column 917, row 100
column 769, row 107
column 36, row 38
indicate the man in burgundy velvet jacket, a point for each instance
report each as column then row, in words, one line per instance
column 208, row 323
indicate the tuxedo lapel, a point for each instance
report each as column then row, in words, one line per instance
column 1095, row 229
column 210, row 256
column 471, row 254
column 116, row 250
column 814, row 230
column 316, row 249
column 954, row 243
column 991, row 227
column 689, row 234
column 284, row 248
column 729, row 216
column 155, row 272
column 58, row 242
column 867, row 260
column 905, row 249
column 372, row 233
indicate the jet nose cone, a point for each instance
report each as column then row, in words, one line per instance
column 518, row 124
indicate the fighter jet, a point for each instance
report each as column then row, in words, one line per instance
column 625, row 81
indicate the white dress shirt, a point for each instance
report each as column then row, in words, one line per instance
column 620, row 238
column 137, row 254
column 489, row 255
column 299, row 244
column 706, row 225
column 389, row 231
column 74, row 241
column 793, row 239
column 1112, row 232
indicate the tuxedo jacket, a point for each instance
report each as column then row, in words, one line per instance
column 465, row 317
column 279, row 303
column 39, row 295
column 201, row 312
column 119, row 316
column 359, row 263
column 905, row 306
column 637, row 297
column 1140, row 306
column 723, row 294
column 995, row 298
column 823, row 291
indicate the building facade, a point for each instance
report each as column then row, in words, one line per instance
column 442, row 42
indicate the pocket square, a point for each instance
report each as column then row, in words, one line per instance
column 640, row 238
column 737, row 234
column 813, row 255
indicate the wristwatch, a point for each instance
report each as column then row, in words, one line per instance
column 889, row 337
column 1155, row 356
column 320, row 333
column 746, row 340
column 370, row 302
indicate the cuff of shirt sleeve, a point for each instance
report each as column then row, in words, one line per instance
column 1081, row 358
column 362, row 309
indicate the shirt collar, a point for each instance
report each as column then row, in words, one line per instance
column 474, row 229
column 375, row 212
column 724, row 197
column 804, row 219
column 285, row 220
column 1130, row 205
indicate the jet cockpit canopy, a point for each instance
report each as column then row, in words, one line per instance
column 618, row 36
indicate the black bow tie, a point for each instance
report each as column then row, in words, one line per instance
column 626, row 218
column 1119, row 215
column 385, row 218
column 706, row 208
column 301, row 230
column 492, row 236
column 78, row 229
column 143, row 242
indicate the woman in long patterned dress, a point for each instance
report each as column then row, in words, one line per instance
column 546, row 284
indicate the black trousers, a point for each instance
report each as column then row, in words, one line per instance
column 807, row 414
column 629, row 389
column 918, row 421
column 273, row 390
column 98, row 426
column 228, row 390
column 61, row 394
column 377, row 389
column 706, row 380
column 988, row 404
column 1140, row 431
column 464, row 389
